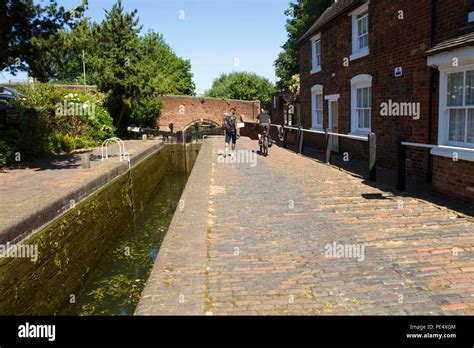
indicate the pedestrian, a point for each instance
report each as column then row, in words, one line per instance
column 232, row 132
column 264, row 121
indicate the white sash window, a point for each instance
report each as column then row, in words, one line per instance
column 460, row 108
column 361, row 104
column 317, row 107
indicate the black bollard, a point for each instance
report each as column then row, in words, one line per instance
column 372, row 157
column 328, row 146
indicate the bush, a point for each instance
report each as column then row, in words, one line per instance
column 6, row 153
column 63, row 142
column 146, row 113
column 84, row 115
column 54, row 121
column 43, row 96
column 29, row 136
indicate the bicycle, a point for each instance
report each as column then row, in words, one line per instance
column 264, row 143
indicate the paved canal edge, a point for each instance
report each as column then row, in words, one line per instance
column 177, row 282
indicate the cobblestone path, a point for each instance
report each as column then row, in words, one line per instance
column 291, row 235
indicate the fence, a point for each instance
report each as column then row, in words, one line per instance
column 370, row 139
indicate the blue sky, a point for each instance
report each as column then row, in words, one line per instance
column 216, row 35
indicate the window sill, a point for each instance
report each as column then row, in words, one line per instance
column 360, row 54
column 360, row 133
column 315, row 71
column 462, row 155
column 317, row 128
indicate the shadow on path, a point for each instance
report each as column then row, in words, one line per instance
column 387, row 179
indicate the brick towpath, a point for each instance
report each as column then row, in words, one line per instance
column 34, row 193
column 253, row 240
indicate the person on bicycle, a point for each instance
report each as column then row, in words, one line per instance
column 264, row 122
column 232, row 132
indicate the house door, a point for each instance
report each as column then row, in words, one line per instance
column 334, row 123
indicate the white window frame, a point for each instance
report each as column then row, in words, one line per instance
column 356, row 51
column 316, row 91
column 315, row 55
column 444, row 63
column 358, row 82
column 443, row 123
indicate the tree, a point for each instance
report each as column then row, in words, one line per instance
column 133, row 70
column 243, row 86
column 66, row 56
column 26, row 30
column 302, row 14
column 118, row 59
column 170, row 73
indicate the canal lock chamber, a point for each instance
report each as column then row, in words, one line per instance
column 96, row 258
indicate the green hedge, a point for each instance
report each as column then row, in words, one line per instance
column 54, row 121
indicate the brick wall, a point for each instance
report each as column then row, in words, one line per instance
column 388, row 49
column 454, row 179
column 392, row 42
column 183, row 110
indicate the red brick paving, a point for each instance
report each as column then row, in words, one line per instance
column 29, row 191
column 251, row 240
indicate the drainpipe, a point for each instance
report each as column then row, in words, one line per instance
column 433, row 71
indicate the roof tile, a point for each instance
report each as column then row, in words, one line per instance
column 331, row 13
column 456, row 42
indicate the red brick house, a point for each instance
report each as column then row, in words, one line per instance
column 398, row 68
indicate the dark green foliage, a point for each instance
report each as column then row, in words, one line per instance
column 70, row 49
column 132, row 70
column 28, row 139
column 125, row 66
column 168, row 73
column 54, row 121
column 243, row 86
column 7, row 146
column 27, row 30
column 302, row 14
column 146, row 112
